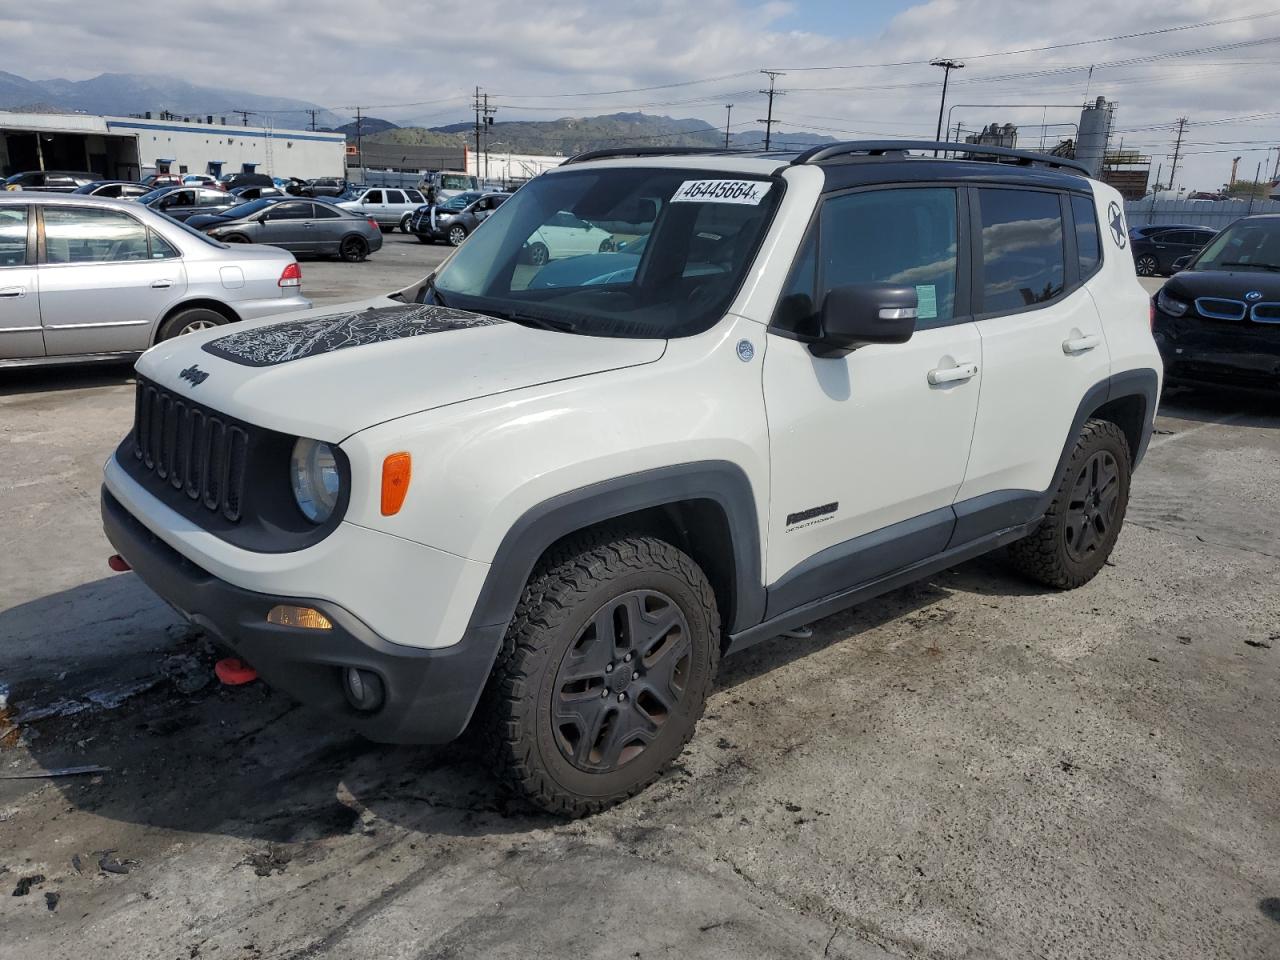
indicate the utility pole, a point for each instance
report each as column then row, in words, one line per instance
column 1275, row 174
column 360, row 142
column 771, row 92
column 728, row 112
column 956, row 138
column 1177, row 148
column 1235, row 163
column 313, row 118
column 1257, row 176
column 947, row 67
column 244, row 116
column 486, row 117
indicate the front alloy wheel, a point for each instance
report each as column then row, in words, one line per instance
column 457, row 235
column 1147, row 265
column 604, row 671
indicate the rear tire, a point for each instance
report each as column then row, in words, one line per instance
column 539, row 254
column 1147, row 266
column 190, row 321
column 603, row 674
column 353, row 249
column 1081, row 526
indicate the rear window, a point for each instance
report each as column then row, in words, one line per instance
column 1088, row 243
column 1022, row 249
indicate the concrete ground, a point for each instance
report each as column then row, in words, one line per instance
column 969, row 767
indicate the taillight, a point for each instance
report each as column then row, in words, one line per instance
column 1151, row 306
column 373, row 223
column 292, row 276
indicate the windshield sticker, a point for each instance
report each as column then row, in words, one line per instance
column 750, row 192
column 275, row 343
column 926, row 301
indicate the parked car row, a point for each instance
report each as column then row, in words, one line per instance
column 86, row 277
column 1157, row 246
column 298, row 224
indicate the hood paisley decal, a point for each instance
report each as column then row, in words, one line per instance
column 296, row 339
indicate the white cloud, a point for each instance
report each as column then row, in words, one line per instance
column 382, row 52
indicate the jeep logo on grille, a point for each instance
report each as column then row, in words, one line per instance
column 194, row 375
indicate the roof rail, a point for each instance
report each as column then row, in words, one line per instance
column 876, row 148
column 641, row 152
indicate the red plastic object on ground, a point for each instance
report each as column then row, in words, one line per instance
column 234, row 672
column 118, row 563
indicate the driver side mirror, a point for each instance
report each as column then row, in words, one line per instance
column 861, row 314
column 1181, row 264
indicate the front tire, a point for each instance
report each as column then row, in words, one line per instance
column 1081, row 526
column 457, row 235
column 604, row 672
column 1147, row 265
column 404, row 224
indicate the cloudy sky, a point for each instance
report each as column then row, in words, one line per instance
column 853, row 68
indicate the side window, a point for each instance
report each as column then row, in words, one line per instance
column 1088, row 243
column 212, row 198
column 414, row 196
column 797, row 309
column 905, row 236
column 290, row 211
column 373, row 196
column 13, row 236
column 1022, row 248
column 162, row 249
column 84, row 235
column 395, row 196
column 322, row 211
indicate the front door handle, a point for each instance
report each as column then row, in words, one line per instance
column 13, row 292
column 161, row 284
column 1081, row 344
column 956, row 374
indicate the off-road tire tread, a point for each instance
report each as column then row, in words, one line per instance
column 1041, row 555
column 567, row 573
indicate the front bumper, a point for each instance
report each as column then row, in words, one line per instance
column 1219, row 353
column 430, row 694
column 421, row 225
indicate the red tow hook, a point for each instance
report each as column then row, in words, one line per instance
column 234, row 672
column 118, row 563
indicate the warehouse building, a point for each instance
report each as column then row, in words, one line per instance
column 129, row 148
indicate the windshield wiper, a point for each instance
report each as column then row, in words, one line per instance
column 541, row 323
column 1246, row 263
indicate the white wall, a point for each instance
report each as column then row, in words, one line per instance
column 511, row 166
column 1202, row 213
column 293, row 153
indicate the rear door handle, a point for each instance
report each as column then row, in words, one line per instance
column 161, row 284
column 13, row 292
column 1081, row 344
column 956, row 374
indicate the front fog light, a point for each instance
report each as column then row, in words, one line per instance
column 363, row 689
column 313, row 471
column 305, row 618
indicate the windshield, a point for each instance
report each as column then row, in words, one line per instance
column 456, row 181
column 154, row 194
column 461, row 201
column 1245, row 245
column 562, row 253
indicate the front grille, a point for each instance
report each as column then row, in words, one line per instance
column 1220, row 308
column 191, row 448
column 1266, row 313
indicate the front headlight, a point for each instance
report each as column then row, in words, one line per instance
column 313, row 471
column 1175, row 308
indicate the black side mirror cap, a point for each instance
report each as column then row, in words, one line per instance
column 1181, row 264
column 862, row 314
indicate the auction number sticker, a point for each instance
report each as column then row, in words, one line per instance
column 750, row 192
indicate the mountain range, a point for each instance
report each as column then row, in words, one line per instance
column 122, row 94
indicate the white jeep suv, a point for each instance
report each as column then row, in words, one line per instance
column 549, row 509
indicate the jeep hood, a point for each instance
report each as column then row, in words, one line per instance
column 330, row 372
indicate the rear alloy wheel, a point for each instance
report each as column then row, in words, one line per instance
column 353, row 249
column 604, row 672
column 1147, row 265
column 1081, row 526
column 457, row 234
column 404, row 224
column 190, row 321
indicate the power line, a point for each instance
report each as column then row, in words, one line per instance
column 1054, row 46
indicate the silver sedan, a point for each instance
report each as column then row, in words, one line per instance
column 88, row 278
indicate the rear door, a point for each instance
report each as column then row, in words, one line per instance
column 328, row 227
column 397, row 206
column 1043, row 345
column 20, row 334
column 103, row 284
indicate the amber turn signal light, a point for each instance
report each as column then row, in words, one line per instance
column 308, row 618
column 396, row 472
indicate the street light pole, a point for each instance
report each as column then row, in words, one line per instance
column 947, row 67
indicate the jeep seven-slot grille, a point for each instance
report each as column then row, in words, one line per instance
column 191, row 448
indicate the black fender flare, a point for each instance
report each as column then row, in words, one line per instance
column 719, row 481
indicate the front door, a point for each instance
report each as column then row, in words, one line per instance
column 103, row 286
column 374, row 205
column 288, row 225
column 20, row 335
column 867, row 451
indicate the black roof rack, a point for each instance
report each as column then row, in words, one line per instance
column 641, row 152
column 878, row 148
